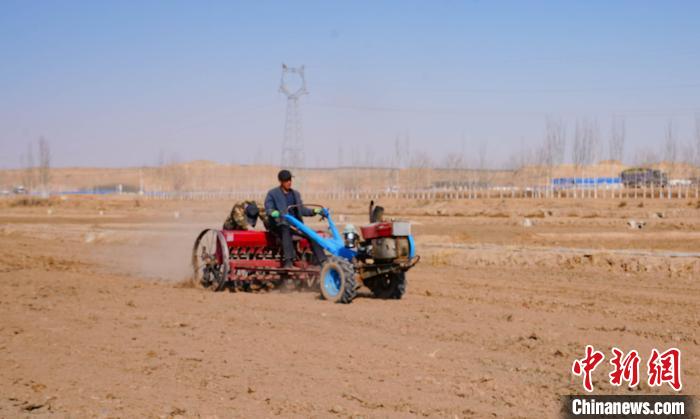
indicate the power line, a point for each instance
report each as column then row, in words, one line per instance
column 455, row 112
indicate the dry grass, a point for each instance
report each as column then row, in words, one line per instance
column 494, row 214
column 539, row 214
column 440, row 258
column 31, row 202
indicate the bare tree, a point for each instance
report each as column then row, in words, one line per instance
column 481, row 163
column 420, row 160
column 551, row 152
column 554, row 142
column 481, row 152
column 670, row 146
column 586, row 145
column 617, row 139
column 402, row 151
column 340, row 160
column 586, row 142
column 161, row 174
column 177, row 173
column 369, row 157
column 462, row 173
column 541, row 165
column 521, row 157
column 29, row 169
column 578, row 152
column 670, row 151
column 397, row 162
column 44, row 164
column 420, row 165
column 171, row 173
column 453, row 161
column 687, row 153
column 645, row 157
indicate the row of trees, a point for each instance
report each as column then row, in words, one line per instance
column 414, row 168
column 587, row 146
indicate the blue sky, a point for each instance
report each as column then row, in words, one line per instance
column 119, row 83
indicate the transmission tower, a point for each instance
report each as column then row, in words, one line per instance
column 293, row 144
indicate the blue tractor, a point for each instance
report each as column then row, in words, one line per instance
column 377, row 257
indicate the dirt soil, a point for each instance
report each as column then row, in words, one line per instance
column 96, row 319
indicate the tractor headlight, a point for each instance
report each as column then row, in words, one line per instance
column 350, row 239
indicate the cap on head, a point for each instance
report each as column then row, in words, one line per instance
column 252, row 210
column 284, row 175
column 251, row 213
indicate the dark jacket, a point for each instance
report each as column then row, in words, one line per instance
column 277, row 200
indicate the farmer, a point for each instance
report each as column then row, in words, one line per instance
column 244, row 215
column 276, row 203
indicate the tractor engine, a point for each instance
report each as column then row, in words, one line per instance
column 388, row 241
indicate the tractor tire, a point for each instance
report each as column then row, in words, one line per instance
column 389, row 287
column 337, row 280
column 209, row 246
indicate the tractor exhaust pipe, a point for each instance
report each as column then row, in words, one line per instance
column 376, row 213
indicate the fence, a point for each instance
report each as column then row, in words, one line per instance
column 597, row 191
column 580, row 191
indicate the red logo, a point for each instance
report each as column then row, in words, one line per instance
column 625, row 369
column 586, row 365
column 662, row 368
column 665, row 368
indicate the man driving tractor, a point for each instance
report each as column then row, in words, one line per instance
column 276, row 203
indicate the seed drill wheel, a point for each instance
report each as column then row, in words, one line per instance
column 389, row 286
column 337, row 280
column 210, row 260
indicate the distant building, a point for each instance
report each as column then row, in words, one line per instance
column 586, row 182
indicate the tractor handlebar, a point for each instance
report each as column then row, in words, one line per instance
column 334, row 244
column 324, row 211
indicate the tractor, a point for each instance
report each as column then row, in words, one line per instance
column 377, row 257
